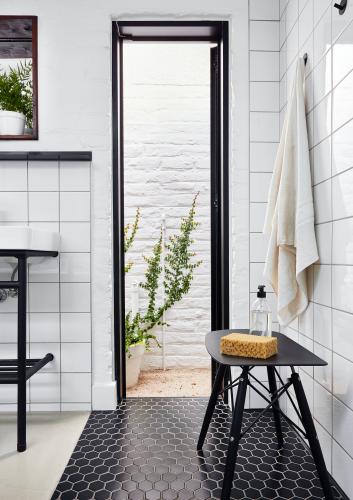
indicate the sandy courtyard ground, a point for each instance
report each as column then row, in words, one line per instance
column 180, row 382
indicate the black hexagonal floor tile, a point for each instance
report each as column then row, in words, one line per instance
column 146, row 450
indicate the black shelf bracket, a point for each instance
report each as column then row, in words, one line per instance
column 341, row 7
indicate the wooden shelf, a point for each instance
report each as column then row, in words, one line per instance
column 23, row 137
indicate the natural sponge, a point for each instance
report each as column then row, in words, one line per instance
column 248, row 346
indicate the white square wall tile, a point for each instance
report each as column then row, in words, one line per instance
column 342, row 195
column 264, row 96
column 75, row 267
column 263, row 156
column 308, row 344
column 264, row 35
column 322, row 78
column 342, row 55
column 45, row 388
column 264, row 66
column 75, row 357
column 322, row 161
column 44, row 297
column 322, row 285
column 322, row 120
column 343, row 380
column 342, row 102
column 13, row 207
column 13, row 176
column 342, row 149
column 342, row 333
column 76, row 387
column 257, row 216
column 306, row 20
column 44, row 271
column 325, row 440
column 323, row 374
column 264, row 127
column 264, row 9
column 342, row 288
column 323, row 406
column 259, row 186
column 43, row 206
column 258, row 247
column 342, row 466
column 322, row 202
column 43, row 176
column 75, row 297
column 44, row 327
column 8, row 322
column 322, row 35
column 75, row 327
column 257, row 277
column 323, row 325
column 306, row 321
column 342, row 242
column 342, row 425
column 75, row 237
column 75, row 206
column 75, row 176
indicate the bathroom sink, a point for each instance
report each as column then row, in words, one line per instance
column 28, row 238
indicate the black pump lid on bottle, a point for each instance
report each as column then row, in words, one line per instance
column 261, row 292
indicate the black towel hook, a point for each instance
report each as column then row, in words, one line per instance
column 305, row 57
column 341, row 6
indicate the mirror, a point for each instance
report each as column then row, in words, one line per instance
column 18, row 78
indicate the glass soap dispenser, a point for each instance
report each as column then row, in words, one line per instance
column 260, row 315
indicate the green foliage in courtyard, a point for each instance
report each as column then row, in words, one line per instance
column 178, row 270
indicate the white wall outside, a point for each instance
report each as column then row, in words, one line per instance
column 167, row 161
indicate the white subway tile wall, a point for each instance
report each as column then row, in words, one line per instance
column 264, row 95
column 315, row 27
column 54, row 196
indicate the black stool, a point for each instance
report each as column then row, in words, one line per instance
column 289, row 354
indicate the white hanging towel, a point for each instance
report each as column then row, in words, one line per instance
column 290, row 212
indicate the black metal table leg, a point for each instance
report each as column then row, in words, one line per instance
column 276, row 414
column 310, row 430
column 21, row 354
column 217, row 387
column 235, row 434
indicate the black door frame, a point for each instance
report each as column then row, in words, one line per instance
column 210, row 31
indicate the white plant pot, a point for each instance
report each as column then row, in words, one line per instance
column 11, row 123
column 133, row 364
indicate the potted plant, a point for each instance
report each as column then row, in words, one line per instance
column 178, row 270
column 16, row 99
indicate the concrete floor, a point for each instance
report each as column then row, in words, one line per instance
column 51, row 439
column 176, row 382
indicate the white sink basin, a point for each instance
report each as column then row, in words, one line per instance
column 28, row 238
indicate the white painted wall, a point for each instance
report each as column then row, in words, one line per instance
column 167, row 161
column 75, row 113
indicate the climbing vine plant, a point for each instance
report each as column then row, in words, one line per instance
column 175, row 274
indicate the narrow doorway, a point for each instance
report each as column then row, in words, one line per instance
column 170, row 204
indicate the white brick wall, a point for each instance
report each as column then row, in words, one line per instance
column 167, row 161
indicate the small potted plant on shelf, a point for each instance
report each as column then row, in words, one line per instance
column 174, row 273
column 16, row 99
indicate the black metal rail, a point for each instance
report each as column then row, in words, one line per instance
column 18, row 371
